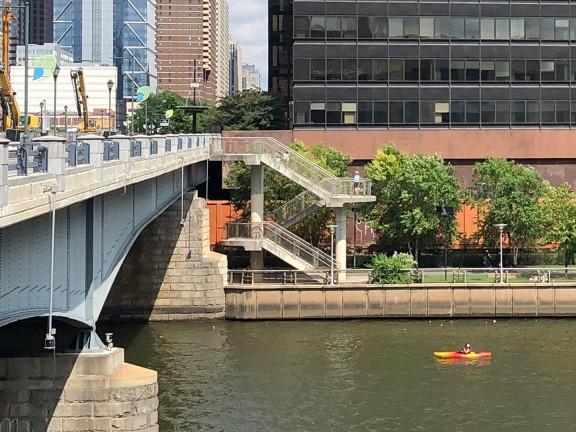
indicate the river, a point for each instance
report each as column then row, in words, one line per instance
column 358, row 375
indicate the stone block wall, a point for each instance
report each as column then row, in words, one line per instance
column 170, row 272
column 77, row 392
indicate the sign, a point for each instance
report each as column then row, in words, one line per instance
column 195, row 85
column 164, row 123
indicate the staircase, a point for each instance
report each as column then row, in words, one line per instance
column 279, row 241
column 322, row 189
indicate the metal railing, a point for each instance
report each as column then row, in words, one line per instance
column 297, row 205
column 285, row 239
column 282, row 156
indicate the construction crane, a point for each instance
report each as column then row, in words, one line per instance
column 86, row 125
column 11, row 115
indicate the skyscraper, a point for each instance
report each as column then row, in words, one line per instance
column 250, row 77
column 187, row 47
column 235, row 68
column 222, row 48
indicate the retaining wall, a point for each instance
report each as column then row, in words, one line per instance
column 411, row 301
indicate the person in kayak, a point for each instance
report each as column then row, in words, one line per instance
column 466, row 350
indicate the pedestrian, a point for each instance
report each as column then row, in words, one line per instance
column 286, row 158
column 356, row 183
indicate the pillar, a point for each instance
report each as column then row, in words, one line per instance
column 57, row 157
column 96, row 143
column 341, row 242
column 4, row 162
column 257, row 212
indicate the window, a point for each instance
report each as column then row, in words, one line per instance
column 502, row 68
column 441, row 70
column 333, row 112
column 472, row 28
column 349, row 27
column 457, row 70
column 411, row 113
column 518, row 112
column 411, row 71
column 427, row 112
column 381, row 69
column 562, row 29
column 301, row 27
column 301, row 69
column 317, row 112
column 547, row 70
column 573, row 112
column 318, row 69
column 548, row 112
column 364, row 69
column 562, row 112
column 562, row 70
column 488, row 112
column 518, row 70
column 441, row 112
column 502, row 112
column 364, row 112
column 426, row 67
column 396, row 70
column 517, row 30
column 333, row 27
column 473, row 112
column 457, row 28
column 349, row 112
column 472, row 70
column 396, row 112
column 396, row 28
column 349, row 72
column 502, row 28
column 532, row 28
column 487, row 72
column 333, row 70
column 411, row 28
column 301, row 112
column 372, row 27
column 318, row 27
column 533, row 70
column 457, row 112
column 442, row 27
column 380, row 112
column 547, row 28
column 427, row 28
column 487, row 28
column 532, row 111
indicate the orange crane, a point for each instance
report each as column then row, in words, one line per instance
column 11, row 115
column 86, row 125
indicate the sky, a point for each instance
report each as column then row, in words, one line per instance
column 249, row 27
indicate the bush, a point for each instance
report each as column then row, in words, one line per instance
column 392, row 269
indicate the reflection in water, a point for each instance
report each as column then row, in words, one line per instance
column 357, row 375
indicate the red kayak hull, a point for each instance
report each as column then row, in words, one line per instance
column 459, row 355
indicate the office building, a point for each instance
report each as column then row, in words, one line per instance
column 61, row 55
column 222, row 49
column 187, row 47
column 250, row 77
column 235, row 68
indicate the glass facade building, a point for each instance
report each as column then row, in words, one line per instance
column 425, row 64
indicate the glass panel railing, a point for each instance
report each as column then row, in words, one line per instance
column 289, row 241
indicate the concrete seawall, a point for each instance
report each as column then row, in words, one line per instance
column 401, row 301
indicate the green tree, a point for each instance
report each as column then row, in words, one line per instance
column 279, row 189
column 560, row 216
column 392, row 269
column 155, row 107
column 408, row 192
column 510, row 193
column 248, row 110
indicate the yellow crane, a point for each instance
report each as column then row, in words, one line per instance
column 11, row 115
column 86, row 124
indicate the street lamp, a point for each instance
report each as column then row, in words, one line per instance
column 55, row 75
column 66, row 118
column 500, row 227
column 332, row 229
column 110, row 84
column 42, row 116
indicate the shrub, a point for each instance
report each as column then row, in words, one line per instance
column 392, row 269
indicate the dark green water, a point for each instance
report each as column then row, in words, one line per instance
column 358, row 375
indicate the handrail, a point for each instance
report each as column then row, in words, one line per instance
column 293, row 208
column 283, row 238
column 281, row 156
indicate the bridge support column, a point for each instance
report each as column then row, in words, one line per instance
column 341, row 242
column 257, row 213
column 94, row 391
column 4, row 171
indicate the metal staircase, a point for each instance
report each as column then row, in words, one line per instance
column 322, row 189
column 279, row 241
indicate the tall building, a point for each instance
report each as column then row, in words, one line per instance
column 187, row 47
column 235, row 68
column 222, row 48
column 113, row 32
column 421, row 64
column 34, row 51
column 250, row 77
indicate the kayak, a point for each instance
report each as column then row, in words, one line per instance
column 459, row 355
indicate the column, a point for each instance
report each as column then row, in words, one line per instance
column 4, row 152
column 257, row 212
column 341, row 242
column 57, row 157
column 96, row 143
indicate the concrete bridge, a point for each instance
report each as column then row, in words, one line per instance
column 70, row 213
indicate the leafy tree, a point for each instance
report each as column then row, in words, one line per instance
column 408, row 192
column 560, row 216
column 248, row 110
column 392, row 269
column 510, row 193
column 279, row 189
column 155, row 107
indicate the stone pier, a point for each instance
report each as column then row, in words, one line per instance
column 77, row 392
column 170, row 272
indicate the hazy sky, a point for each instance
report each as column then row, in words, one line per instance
column 249, row 27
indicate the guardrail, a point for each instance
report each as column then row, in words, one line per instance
column 293, row 208
column 282, row 155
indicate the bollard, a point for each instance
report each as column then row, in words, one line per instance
column 57, row 157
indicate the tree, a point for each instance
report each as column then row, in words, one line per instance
column 392, row 270
column 279, row 189
column 248, row 110
column 560, row 216
column 408, row 191
column 154, row 110
column 510, row 193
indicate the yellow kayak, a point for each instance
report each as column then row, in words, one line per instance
column 458, row 354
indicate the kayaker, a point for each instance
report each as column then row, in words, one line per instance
column 467, row 349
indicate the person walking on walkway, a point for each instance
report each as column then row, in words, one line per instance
column 356, row 183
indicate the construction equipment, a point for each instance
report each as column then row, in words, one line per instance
column 11, row 115
column 86, row 125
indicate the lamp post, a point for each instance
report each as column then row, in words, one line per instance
column 42, row 116
column 332, row 229
column 55, row 75
column 500, row 227
column 66, row 118
column 110, row 84
column 354, row 241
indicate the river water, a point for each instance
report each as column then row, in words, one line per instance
column 358, row 375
